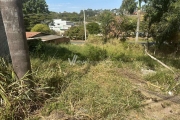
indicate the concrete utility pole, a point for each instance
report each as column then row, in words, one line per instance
column 4, row 49
column 84, row 25
column 11, row 11
column 138, row 20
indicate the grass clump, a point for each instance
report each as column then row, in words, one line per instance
column 166, row 80
column 94, row 39
column 17, row 99
column 94, row 53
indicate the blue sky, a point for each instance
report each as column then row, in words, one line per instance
column 77, row 5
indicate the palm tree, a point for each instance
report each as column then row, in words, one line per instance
column 138, row 19
column 12, row 16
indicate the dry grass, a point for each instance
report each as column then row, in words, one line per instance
column 98, row 94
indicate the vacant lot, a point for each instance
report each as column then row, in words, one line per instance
column 97, row 81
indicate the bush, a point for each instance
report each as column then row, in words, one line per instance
column 93, row 28
column 36, row 46
column 76, row 33
column 41, row 28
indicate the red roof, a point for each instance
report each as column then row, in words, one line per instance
column 31, row 34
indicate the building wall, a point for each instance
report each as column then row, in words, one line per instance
column 4, row 49
column 60, row 25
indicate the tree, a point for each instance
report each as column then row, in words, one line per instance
column 128, row 5
column 35, row 12
column 163, row 19
column 13, row 22
column 34, row 6
column 106, row 18
column 76, row 33
column 122, row 25
column 70, row 16
column 41, row 28
column 31, row 20
column 138, row 18
column 93, row 28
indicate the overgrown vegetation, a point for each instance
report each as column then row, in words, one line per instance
column 94, row 80
column 97, row 86
column 76, row 33
column 163, row 21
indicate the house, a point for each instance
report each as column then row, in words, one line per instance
column 47, row 38
column 60, row 26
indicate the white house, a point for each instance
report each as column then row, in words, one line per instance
column 60, row 26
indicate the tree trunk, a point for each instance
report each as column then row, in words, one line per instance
column 11, row 11
column 4, row 49
column 138, row 24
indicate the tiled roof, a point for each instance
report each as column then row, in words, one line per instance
column 31, row 34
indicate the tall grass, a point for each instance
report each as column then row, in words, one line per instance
column 98, row 94
column 14, row 94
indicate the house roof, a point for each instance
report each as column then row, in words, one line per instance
column 35, row 34
column 43, row 36
column 50, row 37
column 31, row 34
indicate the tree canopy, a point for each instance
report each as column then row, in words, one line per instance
column 76, row 33
column 163, row 20
column 128, row 5
column 35, row 12
column 93, row 28
column 34, row 6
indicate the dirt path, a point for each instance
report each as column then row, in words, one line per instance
column 156, row 105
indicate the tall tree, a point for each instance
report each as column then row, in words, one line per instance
column 164, row 20
column 128, row 5
column 12, row 15
column 138, row 18
column 35, row 12
column 34, row 6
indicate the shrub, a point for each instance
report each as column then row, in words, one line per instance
column 41, row 28
column 93, row 28
column 76, row 33
column 36, row 45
